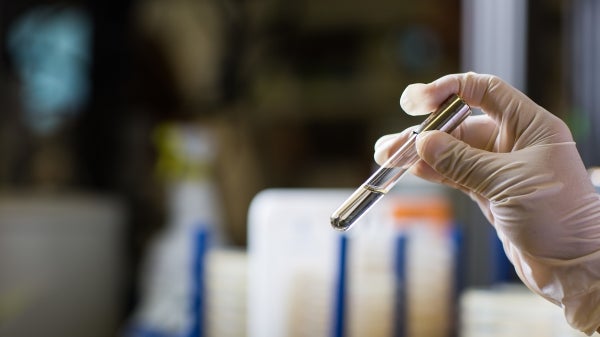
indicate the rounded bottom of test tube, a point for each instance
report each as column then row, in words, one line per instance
column 354, row 208
column 339, row 224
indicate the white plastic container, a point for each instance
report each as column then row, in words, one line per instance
column 307, row 279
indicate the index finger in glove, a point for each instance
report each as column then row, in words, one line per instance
column 497, row 98
column 521, row 122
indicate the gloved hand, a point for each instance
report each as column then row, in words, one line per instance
column 520, row 164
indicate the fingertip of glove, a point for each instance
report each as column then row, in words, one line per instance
column 413, row 106
column 384, row 141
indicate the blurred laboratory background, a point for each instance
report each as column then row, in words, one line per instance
column 168, row 167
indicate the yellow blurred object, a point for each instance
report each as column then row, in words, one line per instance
column 185, row 152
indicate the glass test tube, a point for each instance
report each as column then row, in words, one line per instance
column 446, row 118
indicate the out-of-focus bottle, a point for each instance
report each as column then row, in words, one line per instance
column 172, row 280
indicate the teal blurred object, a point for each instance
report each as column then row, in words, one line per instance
column 51, row 50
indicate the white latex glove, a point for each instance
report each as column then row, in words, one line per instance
column 520, row 164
